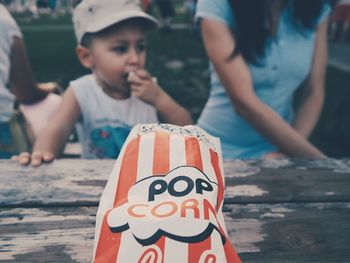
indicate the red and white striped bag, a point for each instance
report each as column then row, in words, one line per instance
column 163, row 200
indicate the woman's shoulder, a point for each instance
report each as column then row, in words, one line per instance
column 219, row 10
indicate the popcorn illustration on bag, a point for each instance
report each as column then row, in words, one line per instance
column 163, row 200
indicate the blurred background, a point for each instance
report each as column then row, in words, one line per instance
column 177, row 58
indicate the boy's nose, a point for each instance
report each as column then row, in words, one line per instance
column 134, row 57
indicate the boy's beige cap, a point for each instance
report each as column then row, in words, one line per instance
column 91, row 16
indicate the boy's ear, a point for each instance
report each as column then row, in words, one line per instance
column 84, row 56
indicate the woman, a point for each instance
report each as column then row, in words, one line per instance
column 260, row 53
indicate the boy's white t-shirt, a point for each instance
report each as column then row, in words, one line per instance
column 8, row 30
column 106, row 121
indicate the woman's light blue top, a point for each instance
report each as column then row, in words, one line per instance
column 286, row 64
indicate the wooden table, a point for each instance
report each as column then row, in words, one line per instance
column 275, row 211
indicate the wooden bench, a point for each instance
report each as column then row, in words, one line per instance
column 275, row 211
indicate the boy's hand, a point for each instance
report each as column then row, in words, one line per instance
column 35, row 159
column 144, row 87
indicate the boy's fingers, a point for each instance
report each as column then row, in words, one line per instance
column 14, row 158
column 135, row 83
column 140, row 78
column 133, row 78
column 141, row 73
column 136, row 89
column 48, row 157
column 24, row 158
column 36, row 158
column 135, row 86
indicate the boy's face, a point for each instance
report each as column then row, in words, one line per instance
column 114, row 55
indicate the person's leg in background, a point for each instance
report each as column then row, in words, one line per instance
column 346, row 23
column 336, row 23
column 33, row 9
column 340, row 22
column 167, row 11
column 53, row 8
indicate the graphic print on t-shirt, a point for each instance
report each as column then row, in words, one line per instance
column 107, row 141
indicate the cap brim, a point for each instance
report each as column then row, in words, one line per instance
column 117, row 18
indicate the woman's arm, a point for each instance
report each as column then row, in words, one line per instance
column 52, row 139
column 22, row 82
column 312, row 95
column 236, row 78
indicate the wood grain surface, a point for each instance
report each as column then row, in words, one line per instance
column 275, row 211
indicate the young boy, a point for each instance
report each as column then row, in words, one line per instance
column 118, row 94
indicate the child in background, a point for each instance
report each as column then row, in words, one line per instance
column 18, row 86
column 118, row 94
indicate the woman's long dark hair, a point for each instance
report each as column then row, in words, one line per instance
column 257, row 21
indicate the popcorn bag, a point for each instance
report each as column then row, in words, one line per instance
column 163, row 200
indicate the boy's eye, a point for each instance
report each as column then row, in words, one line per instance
column 120, row 49
column 141, row 47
